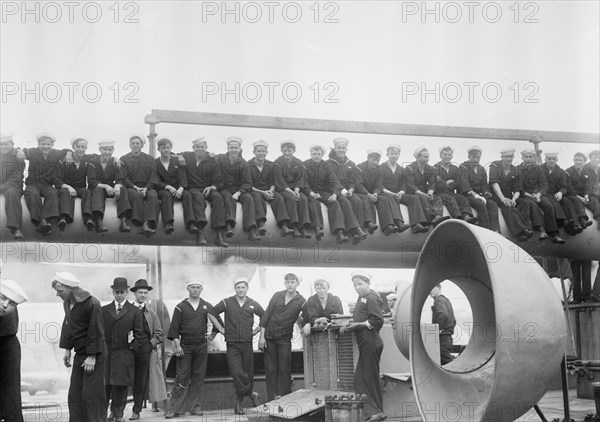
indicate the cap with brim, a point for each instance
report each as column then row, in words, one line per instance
column 67, row 279
column 195, row 281
column 198, row 141
column 292, row 275
column 419, row 151
column 240, row 280
column 528, row 151
column 74, row 140
column 11, row 290
column 260, row 143
column 342, row 141
column 446, row 147
column 506, row 151
column 140, row 137
column 119, row 283
column 45, row 135
column 395, row 146
column 474, row 148
column 288, row 143
column 106, row 143
column 362, row 274
column 234, row 139
column 6, row 137
column 140, row 284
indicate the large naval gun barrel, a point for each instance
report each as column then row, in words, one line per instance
column 394, row 251
column 518, row 337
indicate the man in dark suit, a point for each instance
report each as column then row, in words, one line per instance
column 11, row 184
column 123, row 332
column 151, row 337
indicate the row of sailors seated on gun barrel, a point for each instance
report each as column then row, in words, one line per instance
column 531, row 197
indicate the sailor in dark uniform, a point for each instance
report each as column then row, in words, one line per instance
column 11, row 184
column 103, row 173
column 474, row 186
column 205, row 181
column 320, row 307
column 74, row 185
column 322, row 185
column 447, row 187
column 290, row 187
column 239, row 330
column 139, row 178
column 11, row 295
column 43, row 174
column 506, row 184
column 264, row 175
column 582, row 180
column 237, row 187
column 394, row 188
column 443, row 315
column 369, row 184
column 558, row 186
column 365, row 324
column 171, row 184
column 535, row 188
column 359, row 214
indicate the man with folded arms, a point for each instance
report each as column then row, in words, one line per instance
column 239, row 330
column 83, row 331
column 188, row 331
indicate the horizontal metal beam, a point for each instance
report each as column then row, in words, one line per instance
column 376, row 128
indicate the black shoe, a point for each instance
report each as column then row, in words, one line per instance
column 44, row 227
column 304, row 234
column 62, row 224
column 147, row 230
column 585, row 223
column 557, row 239
column 238, row 410
column 124, row 227
column 318, row 234
column 18, row 234
column 171, row 415
column 471, row 220
column 200, row 239
column 169, row 228
column 228, row 231
column 90, row 225
column 196, row 413
column 252, row 235
column 341, row 237
column 100, row 228
column 438, row 219
column 261, row 229
column 193, row 229
column 522, row 237
column 358, row 232
column 529, row 233
column 390, row 229
column 371, row 228
column 255, row 397
column 402, row 227
column 135, row 416
column 419, row 228
column 219, row 241
column 286, row 231
column 155, row 407
column 543, row 235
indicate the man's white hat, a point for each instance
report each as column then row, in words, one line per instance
column 195, row 281
column 106, row 143
column 418, row 151
column 13, row 291
column 362, row 274
column 140, row 137
column 240, row 280
column 74, row 140
column 67, row 279
column 201, row 140
column 234, row 139
column 6, row 137
column 45, row 135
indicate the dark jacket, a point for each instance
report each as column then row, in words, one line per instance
column 582, row 182
column 443, row 314
column 509, row 183
column 533, row 179
column 75, row 176
column 473, row 177
column 368, row 308
column 174, row 176
column 44, row 170
column 203, row 174
column 269, row 176
column 557, row 180
column 393, row 181
column 369, row 180
column 321, row 178
column 293, row 174
column 138, row 171
column 239, row 320
column 236, row 175
column 443, row 175
column 312, row 309
column 419, row 180
column 345, row 172
column 107, row 176
column 11, row 171
column 83, row 326
column 279, row 318
column 120, row 359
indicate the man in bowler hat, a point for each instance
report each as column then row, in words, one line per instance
column 146, row 385
column 123, row 332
